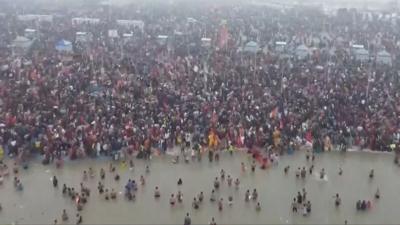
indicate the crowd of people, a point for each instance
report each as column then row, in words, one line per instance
column 140, row 95
column 118, row 97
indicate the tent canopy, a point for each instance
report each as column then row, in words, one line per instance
column 384, row 54
column 64, row 46
column 22, row 42
column 251, row 47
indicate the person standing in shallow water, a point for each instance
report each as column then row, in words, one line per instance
column 55, row 181
column 187, row 220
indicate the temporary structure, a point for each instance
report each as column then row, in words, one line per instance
column 131, row 23
column 302, row 52
column 206, row 42
column 361, row 54
column 251, row 47
column 21, row 45
column 384, row 57
column 64, row 46
column 84, row 20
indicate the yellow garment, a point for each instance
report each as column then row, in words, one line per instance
column 1, row 153
column 277, row 137
column 212, row 140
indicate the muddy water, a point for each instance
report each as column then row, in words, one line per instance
column 40, row 203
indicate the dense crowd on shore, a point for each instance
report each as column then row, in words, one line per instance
column 133, row 96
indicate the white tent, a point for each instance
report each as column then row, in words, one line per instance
column 162, row 39
column 84, row 20
column 206, row 42
column 34, row 17
column 280, row 46
column 82, row 37
column 302, row 52
column 64, row 46
column 361, row 55
column 21, row 45
column 113, row 33
column 384, row 57
column 131, row 23
column 30, row 33
column 252, row 47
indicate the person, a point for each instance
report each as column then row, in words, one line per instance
column 180, row 181
column 286, row 170
column 230, row 200
column 142, row 180
column 308, row 154
column 179, row 197
column 19, row 186
column 106, row 195
column 303, row 173
column 305, row 213
column 247, row 195
column 237, row 183
column 311, row 169
column 298, row 171
column 64, row 215
column 304, row 195
column 338, row 200
column 299, row 198
column 79, row 219
column 210, row 155
column 253, row 166
column 147, row 169
column 113, row 194
column 91, row 172
column 294, row 205
column 55, row 181
column 216, row 183
column 222, row 173
column 85, row 176
column 322, row 174
column 102, row 174
column 254, row 196
column 308, row 207
column 112, row 168
column 131, row 165
column 64, row 189
column 212, row 197
column 340, row 171
column 377, row 194
column 229, row 180
column 201, row 196
column 243, row 167
column 363, row 205
column 258, row 206
column 116, row 177
column 371, row 174
column 213, row 221
column 220, row 204
column 172, row 200
column 195, row 203
column 187, row 220
column 156, row 193
column 216, row 158
column 100, row 187
column 358, row 205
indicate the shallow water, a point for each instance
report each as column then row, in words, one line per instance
column 40, row 203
